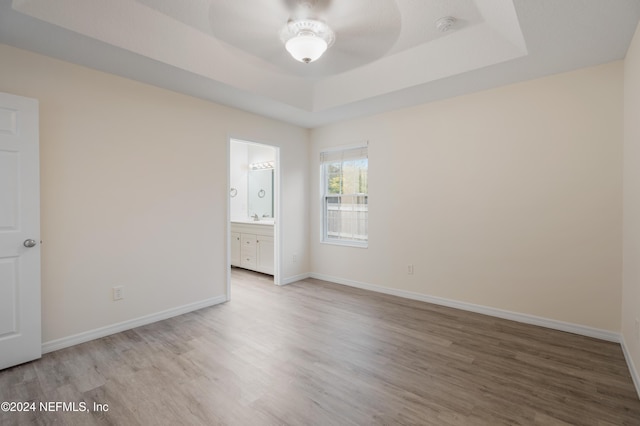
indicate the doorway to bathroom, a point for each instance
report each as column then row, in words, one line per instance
column 253, row 211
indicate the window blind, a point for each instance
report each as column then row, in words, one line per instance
column 340, row 155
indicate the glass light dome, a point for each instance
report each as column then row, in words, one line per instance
column 306, row 39
column 306, row 47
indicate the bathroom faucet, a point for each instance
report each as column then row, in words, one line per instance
column 255, row 217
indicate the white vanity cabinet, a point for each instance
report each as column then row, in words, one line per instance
column 252, row 246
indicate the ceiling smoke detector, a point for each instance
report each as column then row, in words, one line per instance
column 307, row 39
column 445, row 24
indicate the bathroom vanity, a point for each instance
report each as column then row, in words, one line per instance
column 252, row 246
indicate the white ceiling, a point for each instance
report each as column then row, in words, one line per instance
column 387, row 54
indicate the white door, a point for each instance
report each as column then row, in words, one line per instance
column 20, row 330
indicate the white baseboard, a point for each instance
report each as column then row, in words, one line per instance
column 294, row 279
column 65, row 342
column 486, row 310
column 632, row 368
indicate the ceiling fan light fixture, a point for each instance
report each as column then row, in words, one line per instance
column 306, row 47
column 307, row 39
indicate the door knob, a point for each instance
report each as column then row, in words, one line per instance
column 29, row 243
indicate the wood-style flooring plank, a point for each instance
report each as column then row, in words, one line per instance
column 317, row 353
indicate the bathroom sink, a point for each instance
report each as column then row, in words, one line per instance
column 265, row 221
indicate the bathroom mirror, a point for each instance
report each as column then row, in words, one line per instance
column 260, row 187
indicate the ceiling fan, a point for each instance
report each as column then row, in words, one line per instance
column 355, row 31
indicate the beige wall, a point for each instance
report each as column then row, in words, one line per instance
column 134, row 192
column 631, row 262
column 509, row 198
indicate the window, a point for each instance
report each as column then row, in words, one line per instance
column 345, row 203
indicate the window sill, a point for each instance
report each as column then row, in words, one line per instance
column 356, row 244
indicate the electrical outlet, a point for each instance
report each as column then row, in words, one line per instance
column 294, row 258
column 410, row 269
column 638, row 329
column 118, row 293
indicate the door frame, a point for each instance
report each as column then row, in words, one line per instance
column 277, row 200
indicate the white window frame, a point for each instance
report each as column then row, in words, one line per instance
column 344, row 153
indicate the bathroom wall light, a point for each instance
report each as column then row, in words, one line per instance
column 306, row 39
column 261, row 166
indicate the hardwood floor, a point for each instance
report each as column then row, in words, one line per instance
column 316, row 353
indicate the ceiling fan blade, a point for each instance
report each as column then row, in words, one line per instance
column 290, row 4
column 307, row 9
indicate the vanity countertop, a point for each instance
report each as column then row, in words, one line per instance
column 269, row 222
column 261, row 227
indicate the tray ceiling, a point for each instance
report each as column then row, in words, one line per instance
column 387, row 54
